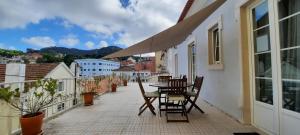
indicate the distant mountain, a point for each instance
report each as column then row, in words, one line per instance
column 95, row 53
column 10, row 53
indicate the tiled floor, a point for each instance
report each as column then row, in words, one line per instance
column 116, row 113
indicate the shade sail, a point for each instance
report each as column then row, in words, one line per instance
column 171, row 36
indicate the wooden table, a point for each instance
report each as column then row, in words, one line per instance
column 163, row 89
column 163, row 85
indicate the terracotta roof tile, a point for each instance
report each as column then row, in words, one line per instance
column 38, row 71
column 2, row 72
column 125, row 68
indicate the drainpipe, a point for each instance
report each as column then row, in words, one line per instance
column 75, row 85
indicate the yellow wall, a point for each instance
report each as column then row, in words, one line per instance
column 158, row 61
column 9, row 119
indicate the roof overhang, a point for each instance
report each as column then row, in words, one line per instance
column 171, row 36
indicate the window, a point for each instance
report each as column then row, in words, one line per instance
column 100, row 70
column 215, row 59
column 84, row 69
column 94, row 63
column 84, row 63
column 94, row 69
column 192, row 62
column 60, row 86
column 60, row 107
column 262, row 54
column 100, row 63
column 289, row 26
column 216, row 44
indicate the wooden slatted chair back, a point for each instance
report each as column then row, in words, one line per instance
column 141, row 85
column 198, row 82
column 177, row 86
column 164, row 78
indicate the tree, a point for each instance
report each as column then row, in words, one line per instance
column 49, row 58
column 68, row 59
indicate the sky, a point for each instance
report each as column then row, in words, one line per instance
column 83, row 24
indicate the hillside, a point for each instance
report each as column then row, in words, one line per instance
column 10, row 53
column 95, row 53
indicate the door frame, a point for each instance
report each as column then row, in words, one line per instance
column 274, row 62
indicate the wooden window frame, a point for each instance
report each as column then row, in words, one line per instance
column 214, row 64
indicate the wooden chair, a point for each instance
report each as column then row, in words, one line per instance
column 194, row 92
column 162, row 79
column 175, row 99
column 149, row 97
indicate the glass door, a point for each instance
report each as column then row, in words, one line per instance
column 289, row 33
column 263, row 104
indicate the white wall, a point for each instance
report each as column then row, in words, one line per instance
column 63, row 74
column 197, row 5
column 14, row 73
column 222, row 88
column 133, row 74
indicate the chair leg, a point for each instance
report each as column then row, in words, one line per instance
column 193, row 104
column 182, row 112
column 166, row 113
column 147, row 104
column 185, row 113
column 159, row 104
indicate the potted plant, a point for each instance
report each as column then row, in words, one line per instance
column 112, row 83
column 32, row 101
column 125, row 79
column 88, row 92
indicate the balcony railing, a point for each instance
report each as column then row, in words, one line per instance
column 68, row 88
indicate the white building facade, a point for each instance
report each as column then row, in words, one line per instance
column 248, row 52
column 16, row 76
column 132, row 74
column 95, row 67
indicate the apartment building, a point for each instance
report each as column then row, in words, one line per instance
column 94, row 67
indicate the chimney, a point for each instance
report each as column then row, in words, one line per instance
column 15, row 73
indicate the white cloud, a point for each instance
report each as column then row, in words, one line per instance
column 69, row 40
column 141, row 19
column 4, row 46
column 66, row 24
column 103, row 44
column 12, row 48
column 90, row 45
column 40, row 41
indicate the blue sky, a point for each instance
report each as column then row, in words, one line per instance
column 83, row 24
column 56, row 29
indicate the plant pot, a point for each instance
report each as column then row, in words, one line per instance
column 32, row 125
column 88, row 98
column 113, row 87
column 125, row 82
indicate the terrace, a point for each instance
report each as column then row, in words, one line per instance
column 116, row 113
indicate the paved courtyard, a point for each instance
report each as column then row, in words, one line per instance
column 116, row 113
